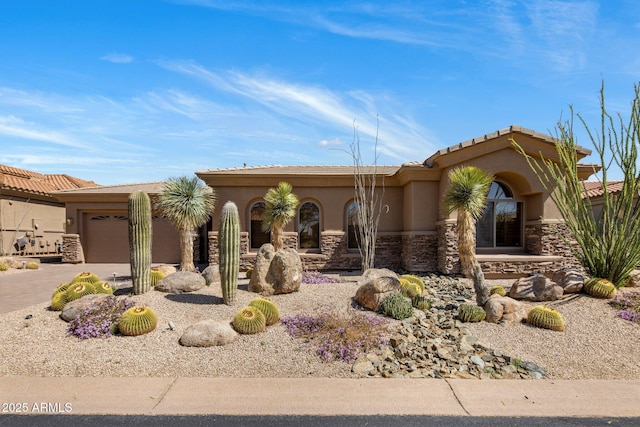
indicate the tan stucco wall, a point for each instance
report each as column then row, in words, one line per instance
column 332, row 200
column 43, row 222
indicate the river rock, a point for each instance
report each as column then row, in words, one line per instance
column 535, row 288
column 276, row 272
column 74, row 308
column 569, row 279
column 181, row 282
column 371, row 293
column 208, row 333
column 506, row 309
column 211, row 274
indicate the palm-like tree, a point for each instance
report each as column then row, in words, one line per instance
column 187, row 204
column 467, row 194
column 280, row 208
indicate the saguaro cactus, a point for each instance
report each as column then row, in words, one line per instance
column 140, row 241
column 229, row 251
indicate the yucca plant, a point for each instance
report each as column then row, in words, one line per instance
column 608, row 245
column 467, row 194
column 187, row 204
column 280, row 208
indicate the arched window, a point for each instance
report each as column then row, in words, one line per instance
column 257, row 237
column 309, row 226
column 352, row 225
column 501, row 222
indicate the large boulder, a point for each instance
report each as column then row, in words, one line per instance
column 375, row 285
column 276, row 272
column 181, row 282
column 569, row 279
column 211, row 274
column 165, row 269
column 535, row 288
column 74, row 308
column 208, row 333
column 504, row 309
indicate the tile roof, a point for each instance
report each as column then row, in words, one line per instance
column 594, row 188
column 147, row 187
column 293, row 170
column 504, row 131
column 16, row 179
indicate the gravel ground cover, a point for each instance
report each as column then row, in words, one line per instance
column 595, row 344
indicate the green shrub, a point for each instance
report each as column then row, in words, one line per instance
column 396, row 306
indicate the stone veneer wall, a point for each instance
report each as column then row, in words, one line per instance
column 541, row 238
column 72, row 251
column 333, row 253
column 420, row 251
column 448, row 258
column 423, row 252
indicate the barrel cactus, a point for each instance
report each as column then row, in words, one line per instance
column 498, row 290
column 545, row 317
column 268, row 308
column 229, row 251
column 155, row 276
column 102, row 288
column 137, row 321
column 410, row 289
column 78, row 290
column 85, row 276
column 471, row 313
column 249, row 320
column 58, row 301
column 414, row 279
column 140, row 241
column 62, row 288
column 3, row 266
column 32, row 265
column 599, row 288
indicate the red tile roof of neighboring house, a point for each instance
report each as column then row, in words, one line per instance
column 594, row 188
column 16, row 179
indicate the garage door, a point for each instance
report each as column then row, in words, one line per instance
column 106, row 239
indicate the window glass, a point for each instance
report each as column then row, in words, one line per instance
column 501, row 222
column 352, row 224
column 309, row 226
column 257, row 236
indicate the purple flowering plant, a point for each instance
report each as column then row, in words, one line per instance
column 100, row 320
column 315, row 277
column 338, row 335
column 628, row 304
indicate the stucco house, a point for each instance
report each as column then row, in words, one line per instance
column 32, row 221
column 518, row 234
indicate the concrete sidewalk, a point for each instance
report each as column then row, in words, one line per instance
column 324, row 396
column 25, row 288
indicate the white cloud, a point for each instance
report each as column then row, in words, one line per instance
column 326, row 143
column 19, row 128
column 398, row 136
column 117, row 58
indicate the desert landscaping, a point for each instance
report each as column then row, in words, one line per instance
column 595, row 344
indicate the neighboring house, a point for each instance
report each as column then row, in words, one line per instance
column 98, row 229
column 519, row 233
column 595, row 192
column 32, row 221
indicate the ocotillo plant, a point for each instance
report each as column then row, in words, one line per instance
column 229, row 251
column 140, row 241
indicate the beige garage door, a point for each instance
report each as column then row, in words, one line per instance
column 106, row 239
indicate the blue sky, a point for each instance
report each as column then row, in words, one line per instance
column 134, row 91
